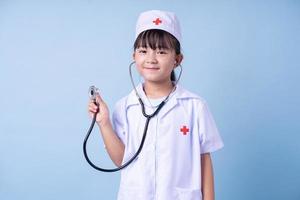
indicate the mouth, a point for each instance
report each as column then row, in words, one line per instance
column 151, row 68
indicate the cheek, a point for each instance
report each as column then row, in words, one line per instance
column 170, row 65
column 170, row 61
column 138, row 67
column 138, row 62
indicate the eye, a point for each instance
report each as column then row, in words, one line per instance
column 161, row 52
column 142, row 51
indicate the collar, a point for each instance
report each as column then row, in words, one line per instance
column 178, row 93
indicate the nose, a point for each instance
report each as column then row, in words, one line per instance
column 151, row 57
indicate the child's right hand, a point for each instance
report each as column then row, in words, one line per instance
column 100, row 106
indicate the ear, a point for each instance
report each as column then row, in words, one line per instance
column 133, row 55
column 178, row 60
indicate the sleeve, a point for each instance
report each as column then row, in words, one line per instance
column 210, row 139
column 118, row 120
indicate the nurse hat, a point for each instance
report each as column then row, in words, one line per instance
column 158, row 19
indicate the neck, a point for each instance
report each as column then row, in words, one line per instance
column 158, row 90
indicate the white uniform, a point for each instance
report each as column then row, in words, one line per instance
column 169, row 165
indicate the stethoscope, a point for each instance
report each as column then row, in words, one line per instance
column 93, row 91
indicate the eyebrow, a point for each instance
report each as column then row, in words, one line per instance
column 159, row 48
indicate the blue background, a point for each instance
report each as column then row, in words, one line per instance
column 242, row 57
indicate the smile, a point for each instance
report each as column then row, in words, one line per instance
column 151, row 68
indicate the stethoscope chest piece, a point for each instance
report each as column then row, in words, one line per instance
column 93, row 91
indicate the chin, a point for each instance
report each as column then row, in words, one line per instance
column 149, row 77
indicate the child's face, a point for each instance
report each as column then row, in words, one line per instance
column 155, row 65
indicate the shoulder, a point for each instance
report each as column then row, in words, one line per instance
column 189, row 97
column 126, row 101
column 121, row 104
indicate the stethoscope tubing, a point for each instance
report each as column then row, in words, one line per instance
column 147, row 116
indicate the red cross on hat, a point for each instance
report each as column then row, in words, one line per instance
column 157, row 21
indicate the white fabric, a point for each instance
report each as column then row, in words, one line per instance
column 155, row 102
column 169, row 166
column 158, row 19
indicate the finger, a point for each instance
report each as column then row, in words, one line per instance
column 92, row 107
column 95, row 106
column 99, row 99
column 92, row 110
column 92, row 104
column 91, row 101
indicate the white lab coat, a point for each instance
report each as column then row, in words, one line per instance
column 169, row 165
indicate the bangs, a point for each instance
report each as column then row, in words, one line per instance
column 156, row 38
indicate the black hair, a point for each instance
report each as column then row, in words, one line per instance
column 156, row 38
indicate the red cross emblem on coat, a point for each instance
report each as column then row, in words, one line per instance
column 184, row 130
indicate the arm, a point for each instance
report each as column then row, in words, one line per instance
column 113, row 144
column 207, row 177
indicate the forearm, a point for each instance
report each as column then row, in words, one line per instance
column 113, row 144
column 207, row 177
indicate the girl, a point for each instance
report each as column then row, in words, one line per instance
column 175, row 162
